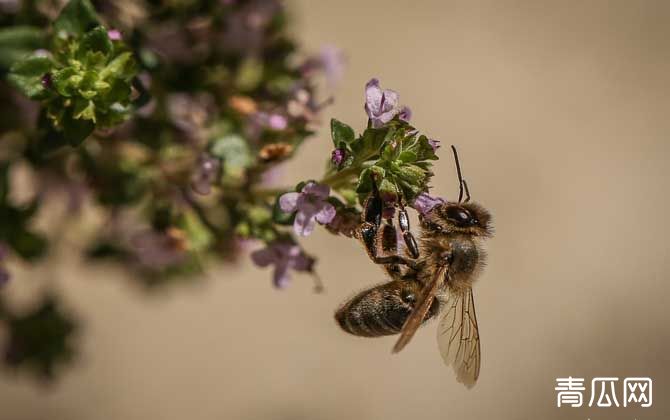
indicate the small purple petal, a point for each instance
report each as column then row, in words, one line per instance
column 389, row 101
column 424, row 203
column 264, row 257
column 303, row 224
column 373, row 98
column 277, row 122
column 435, row 144
column 289, row 202
column 326, row 214
column 280, row 277
column 337, row 156
column 405, row 114
column 114, row 35
column 333, row 62
column 318, row 190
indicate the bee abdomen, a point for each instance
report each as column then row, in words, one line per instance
column 374, row 312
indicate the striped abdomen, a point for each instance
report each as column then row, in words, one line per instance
column 380, row 310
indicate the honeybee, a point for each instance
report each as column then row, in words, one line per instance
column 435, row 275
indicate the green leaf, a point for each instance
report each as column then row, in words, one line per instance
column 341, row 132
column 121, row 67
column 199, row 237
column 368, row 146
column 249, row 74
column 96, row 41
column 235, row 153
column 26, row 75
column 18, row 41
column 77, row 17
column 407, row 157
column 366, row 178
column 66, row 81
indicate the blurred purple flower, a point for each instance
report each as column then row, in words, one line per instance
column 338, row 156
column 330, row 60
column 284, row 256
column 424, row 203
column 205, row 174
column 333, row 63
column 114, row 35
column 405, row 114
column 380, row 105
column 435, row 144
column 311, row 205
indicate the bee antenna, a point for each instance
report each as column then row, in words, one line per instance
column 462, row 185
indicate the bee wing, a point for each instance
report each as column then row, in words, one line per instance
column 415, row 319
column 458, row 337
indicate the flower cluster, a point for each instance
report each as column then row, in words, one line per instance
column 169, row 121
column 172, row 123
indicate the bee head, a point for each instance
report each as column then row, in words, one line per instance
column 469, row 218
column 461, row 217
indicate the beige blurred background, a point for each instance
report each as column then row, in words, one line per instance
column 560, row 110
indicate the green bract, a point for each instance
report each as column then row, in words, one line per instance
column 395, row 156
column 85, row 82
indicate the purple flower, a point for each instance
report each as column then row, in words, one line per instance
column 284, row 256
column 273, row 121
column 435, row 144
column 405, row 114
column 330, row 60
column 114, row 34
column 424, row 203
column 381, row 105
column 205, row 174
column 311, row 204
column 337, row 157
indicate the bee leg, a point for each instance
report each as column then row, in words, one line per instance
column 370, row 229
column 403, row 222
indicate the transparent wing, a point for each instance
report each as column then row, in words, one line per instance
column 458, row 337
column 418, row 315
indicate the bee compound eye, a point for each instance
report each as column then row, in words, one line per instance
column 409, row 297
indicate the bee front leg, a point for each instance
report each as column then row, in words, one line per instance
column 403, row 222
column 371, row 228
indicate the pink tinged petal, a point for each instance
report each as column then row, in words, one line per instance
column 303, row 224
column 373, row 97
column 302, row 262
column 326, row 214
column 425, row 203
column 288, row 202
column 263, row 257
column 277, row 122
column 405, row 114
column 114, row 34
column 280, row 277
column 389, row 100
column 318, row 190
